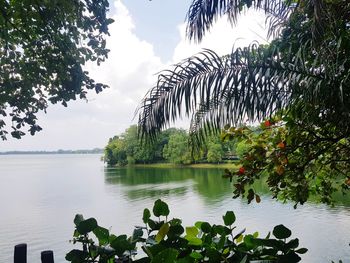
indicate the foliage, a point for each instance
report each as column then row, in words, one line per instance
column 302, row 74
column 298, row 160
column 43, row 48
column 172, row 145
column 166, row 240
column 177, row 150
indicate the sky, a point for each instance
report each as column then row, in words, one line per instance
column 147, row 37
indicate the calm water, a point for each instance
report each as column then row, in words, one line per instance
column 40, row 194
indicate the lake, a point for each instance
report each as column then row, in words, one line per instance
column 40, row 195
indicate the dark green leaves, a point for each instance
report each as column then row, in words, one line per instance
column 146, row 215
column 44, row 46
column 160, row 208
column 121, row 244
column 168, row 255
column 229, row 218
column 102, row 235
column 87, row 226
column 281, row 232
column 76, row 256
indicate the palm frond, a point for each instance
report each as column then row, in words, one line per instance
column 249, row 84
column 203, row 13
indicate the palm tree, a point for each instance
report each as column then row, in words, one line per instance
column 306, row 64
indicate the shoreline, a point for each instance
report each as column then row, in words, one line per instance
column 197, row 166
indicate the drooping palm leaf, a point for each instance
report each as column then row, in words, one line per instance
column 249, row 84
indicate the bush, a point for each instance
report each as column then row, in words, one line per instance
column 164, row 240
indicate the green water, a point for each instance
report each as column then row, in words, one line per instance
column 41, row 194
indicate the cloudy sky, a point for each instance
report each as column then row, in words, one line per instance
column 147, row 36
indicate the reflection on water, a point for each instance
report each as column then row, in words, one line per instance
column 153, row 182
column 197, row 194
column 40, row 195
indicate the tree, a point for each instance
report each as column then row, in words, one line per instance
column 301, row 78
column 177, row 150
column 44, row 46
column 115, row 153
column 215, row 152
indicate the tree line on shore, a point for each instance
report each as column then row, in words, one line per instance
column 171, row 146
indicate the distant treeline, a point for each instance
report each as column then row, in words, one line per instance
column 171, row 146
column 90, row 151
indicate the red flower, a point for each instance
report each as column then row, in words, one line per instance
column 267, row 123
column 241, row 170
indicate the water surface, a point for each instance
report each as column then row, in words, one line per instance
column 40, row 194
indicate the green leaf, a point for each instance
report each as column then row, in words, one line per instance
column 195, row 241
column 160, row 208
column 229, row 218
column 294, row 243
column 102, row 235
column 146, row 215
column 168, row 255
column 205, row 227
column 121, row 244
column 136, row 234
column 76, row 255
column 87, row 226
column 175, row 230
column 192, row 231
column 77, row 219
column 164, row 229
column 198, row 224
column 196, row 255
column 281, row 232
column 301, row 250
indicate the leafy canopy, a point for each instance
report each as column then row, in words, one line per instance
column 43, row 48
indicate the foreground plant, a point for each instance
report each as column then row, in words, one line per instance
column 164, row 240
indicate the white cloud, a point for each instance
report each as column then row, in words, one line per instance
column 223, row 37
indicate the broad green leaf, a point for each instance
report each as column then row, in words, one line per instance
column 77, row 219
column 121, row 244
column 195, row 241
column 136, row 234
column 301, row 250
column 87, row 226
column 168, row 255
column 229, row 218
column 281, row 232
column 76, row 255
column 146, row 215
column 206, row 228
column 196, row 255
column 198, row 224
column 192, row 231
column 239, row 239
column 175, row 230
column 160, row 208
column 102, row 235
column 164, row 229
column 294, row 243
